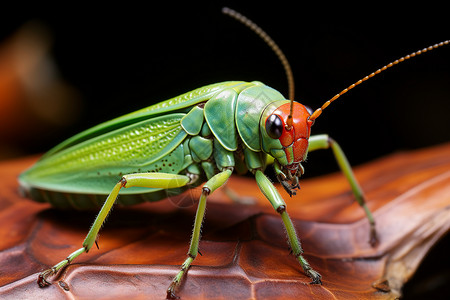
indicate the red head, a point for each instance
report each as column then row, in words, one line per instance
column 287, row 143
column 294, row 139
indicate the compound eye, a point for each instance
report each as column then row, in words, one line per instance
column 274, row 126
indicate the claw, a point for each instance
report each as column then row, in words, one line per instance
column 171, row 296
column 315, row 276
column 42, row 279
column 373, row 240
column 171, row 293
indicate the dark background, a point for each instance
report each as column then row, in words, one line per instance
column 124, row 58
column 120, row 59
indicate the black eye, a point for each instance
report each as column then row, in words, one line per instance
column 274, row 126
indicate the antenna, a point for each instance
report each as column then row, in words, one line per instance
column 318, row 111
column 268, row 40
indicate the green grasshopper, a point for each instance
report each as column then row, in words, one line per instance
column 200, row 136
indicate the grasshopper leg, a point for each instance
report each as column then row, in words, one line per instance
column 279, row 205
column 212, row 184
column 323, row 141
column 150, row 180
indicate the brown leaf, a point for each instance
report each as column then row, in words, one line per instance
column 245, row 254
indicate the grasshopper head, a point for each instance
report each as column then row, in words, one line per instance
column 287, row 144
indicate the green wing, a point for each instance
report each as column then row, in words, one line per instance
column 175, row 104
column 95, row 165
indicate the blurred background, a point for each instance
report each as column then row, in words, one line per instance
column 66, row 69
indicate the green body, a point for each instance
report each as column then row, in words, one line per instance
column 198, row 133
column 200, row 136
